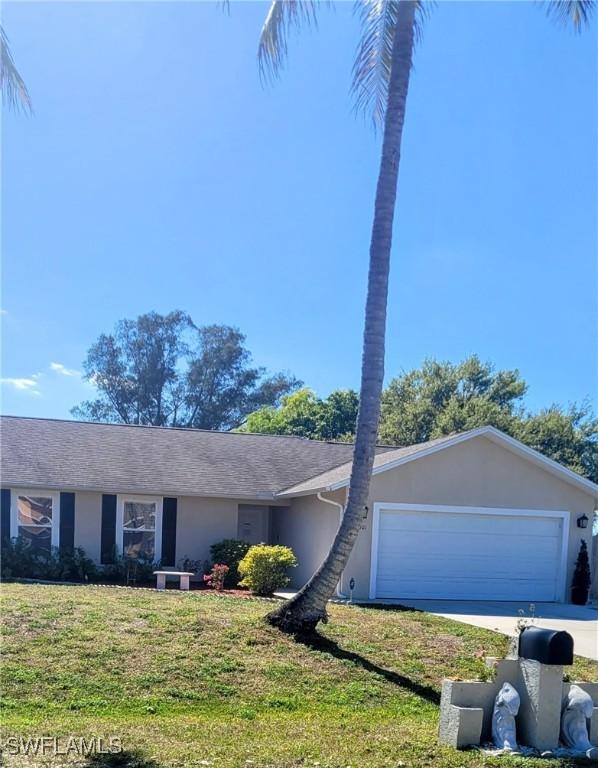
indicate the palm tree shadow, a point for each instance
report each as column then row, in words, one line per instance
column 318, row 642
column 124, row 759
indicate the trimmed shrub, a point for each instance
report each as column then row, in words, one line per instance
column 230, row 552
column 264, row 568
column 580, row 587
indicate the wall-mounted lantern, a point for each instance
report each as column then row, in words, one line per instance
column 365, row 513
column 582, row 522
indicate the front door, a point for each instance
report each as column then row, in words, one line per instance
column 252, row 524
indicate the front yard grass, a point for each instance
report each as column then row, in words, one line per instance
column 195, row 679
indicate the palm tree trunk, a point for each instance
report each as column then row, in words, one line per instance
column 302, row 613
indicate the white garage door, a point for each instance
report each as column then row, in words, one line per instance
column 467, row 555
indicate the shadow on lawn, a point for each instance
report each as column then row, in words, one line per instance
column 124, row 759
column 320, row 643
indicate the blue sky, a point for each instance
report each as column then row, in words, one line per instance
column 157, row 173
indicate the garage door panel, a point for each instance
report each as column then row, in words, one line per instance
column 472, row 567
column 451, row 523
column 467, row 590
column 468, row 555
column 454, row 545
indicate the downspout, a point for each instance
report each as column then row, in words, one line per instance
column 341, row 510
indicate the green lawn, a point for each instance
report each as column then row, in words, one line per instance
column 194, row 679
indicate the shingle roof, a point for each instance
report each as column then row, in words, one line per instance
column 338, row 476
column 73, row 455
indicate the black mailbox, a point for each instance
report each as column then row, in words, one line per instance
column 548, row 646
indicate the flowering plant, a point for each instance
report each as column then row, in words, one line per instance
column 215, row 578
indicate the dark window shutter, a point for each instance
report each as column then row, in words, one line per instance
column 168, row 531
column 5, row 515
column 108, row 541
column 66, row 541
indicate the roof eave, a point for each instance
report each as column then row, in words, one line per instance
column 493, row 434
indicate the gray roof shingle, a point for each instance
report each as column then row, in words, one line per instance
column 74, row 455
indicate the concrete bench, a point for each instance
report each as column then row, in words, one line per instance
column 184, row 577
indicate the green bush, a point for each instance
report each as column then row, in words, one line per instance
column 264, row 568
column 582, row 578
column 20, row 560
column 230, row 552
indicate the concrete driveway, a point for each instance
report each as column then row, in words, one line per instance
column 581, row 622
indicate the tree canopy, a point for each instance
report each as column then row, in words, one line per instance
column 163, row 370
column 441, row 397
column 303, row 413
column 438, row 399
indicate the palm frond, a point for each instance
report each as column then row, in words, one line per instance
column 371, row 70
column 14, row 90
column 576, row 12
column 282, row 16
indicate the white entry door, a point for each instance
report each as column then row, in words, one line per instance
column 467, row 553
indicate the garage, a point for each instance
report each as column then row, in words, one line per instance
column 458, row 553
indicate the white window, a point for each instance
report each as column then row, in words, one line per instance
column 35, row 518
column 139, row 523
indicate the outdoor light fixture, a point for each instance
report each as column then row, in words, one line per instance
column 582, row 522
column 367, row 509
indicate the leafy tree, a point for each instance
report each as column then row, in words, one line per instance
column 440, row 398
column 165, row 371
column 567, row 435
column 303, row 413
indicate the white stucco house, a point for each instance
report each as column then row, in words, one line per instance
column 476, row 515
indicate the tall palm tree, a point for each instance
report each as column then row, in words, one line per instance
column 14, row 90
column 380, row 82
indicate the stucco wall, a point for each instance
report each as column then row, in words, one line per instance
column 308, row 527
column 200, row 523
column 477, row 472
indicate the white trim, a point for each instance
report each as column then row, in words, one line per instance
column 120, row 507
column 374, row 550
column 14, row 521
column 563, row 515
column 491, row 433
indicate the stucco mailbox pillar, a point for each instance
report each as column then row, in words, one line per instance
column 542, row 655
column 540, row 687
column 466, row 708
